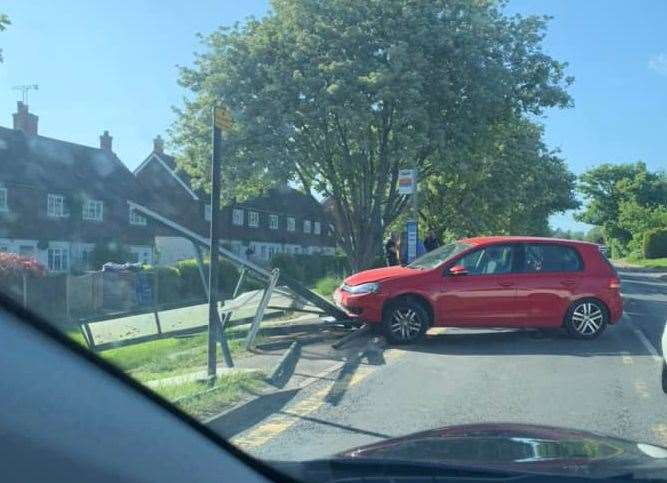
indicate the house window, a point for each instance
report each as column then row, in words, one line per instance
column 253, row 219
column 317, row 228
column 3, row 199
column 93, row 210
column 208, row 212
column 136, row 218
column 58, row 259
column 291, row 224
column 273, row 222
column 55, row 206
column 237, row 217
column 306, row 226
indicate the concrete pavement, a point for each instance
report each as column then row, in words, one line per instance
column 610, row 385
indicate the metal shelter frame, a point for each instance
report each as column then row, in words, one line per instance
column 300, row 293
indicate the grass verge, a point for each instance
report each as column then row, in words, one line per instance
column 170, row 356
column 654, row 263
column 203, row 401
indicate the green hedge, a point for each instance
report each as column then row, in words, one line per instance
column 308, row 269
column 169, row 284
column 655, row 243
column 191, row 285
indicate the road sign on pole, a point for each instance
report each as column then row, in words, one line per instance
column 221, row 120
column 407, row 181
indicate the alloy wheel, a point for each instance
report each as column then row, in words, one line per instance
column 405, row 323
column 587, row 318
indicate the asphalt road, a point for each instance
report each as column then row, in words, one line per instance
column 609, row 385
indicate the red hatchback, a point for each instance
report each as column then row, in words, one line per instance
column 490, row 282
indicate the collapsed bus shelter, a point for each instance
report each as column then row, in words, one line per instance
column 273, row 280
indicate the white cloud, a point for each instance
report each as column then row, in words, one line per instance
column 658, row 63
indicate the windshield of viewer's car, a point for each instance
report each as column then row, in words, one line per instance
column 184, row 187
column 439, row 255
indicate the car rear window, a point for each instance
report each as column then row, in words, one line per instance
column 551, row 258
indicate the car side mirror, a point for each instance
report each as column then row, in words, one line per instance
column 458, row 270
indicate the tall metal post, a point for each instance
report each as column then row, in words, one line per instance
column 214, row 240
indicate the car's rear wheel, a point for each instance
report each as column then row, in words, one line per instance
column 405, row 320
column 586, row 319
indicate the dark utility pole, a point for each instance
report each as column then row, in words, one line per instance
column 215, row 240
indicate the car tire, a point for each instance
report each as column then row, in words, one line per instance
column 586, row 319
column 664, row 377
column 405, row 320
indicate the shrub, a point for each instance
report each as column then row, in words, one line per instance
column 288, row 265
column 308, row 269
column 655, row 243
column 169, row 284
column 191, row 284
column 326, row 285
column 14, row 264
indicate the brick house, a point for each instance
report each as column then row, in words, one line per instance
column 59, row 199
column 283, row 220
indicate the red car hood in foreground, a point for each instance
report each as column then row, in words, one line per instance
column 379, row 274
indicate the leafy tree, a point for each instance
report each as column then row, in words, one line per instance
column 340, row 95
column 4, row 22
column 616, row 194
column 510, row 186
column 595, row 235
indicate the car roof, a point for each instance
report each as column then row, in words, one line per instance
column 491, row 240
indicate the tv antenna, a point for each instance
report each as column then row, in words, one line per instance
column 24, row 91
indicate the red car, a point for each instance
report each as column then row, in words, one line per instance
column 498, row 281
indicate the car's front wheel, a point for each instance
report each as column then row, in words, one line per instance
column 405, row 320
column 586, row 319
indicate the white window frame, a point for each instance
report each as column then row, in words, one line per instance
column 253, row 219
column 3, row 199
column 55, row 206
column 90, row 211
column 291, row 223
column 307, row 226
column 137, row 218
column 273, row 222
column 62, row 254
column 317, row 228
column 237, row 217
column 208, row 212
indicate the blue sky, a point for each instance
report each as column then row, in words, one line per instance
column 112, row 65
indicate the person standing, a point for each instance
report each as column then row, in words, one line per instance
column 391, row 250
column 431, row 241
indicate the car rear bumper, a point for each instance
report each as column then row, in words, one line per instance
column 615, row 303
column 367, row 307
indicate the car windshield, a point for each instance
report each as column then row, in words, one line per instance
column 242, row 205
column 440, row 255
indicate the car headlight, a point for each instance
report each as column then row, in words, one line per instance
column 364, row 288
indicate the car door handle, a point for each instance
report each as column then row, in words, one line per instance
column 568, row 283
column 505, row 284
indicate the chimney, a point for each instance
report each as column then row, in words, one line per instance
column 24, row 120
column 158, row 145
column 105, row 141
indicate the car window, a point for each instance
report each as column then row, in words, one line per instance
column 551, row 258
column 488, row 261
column 439, row 255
